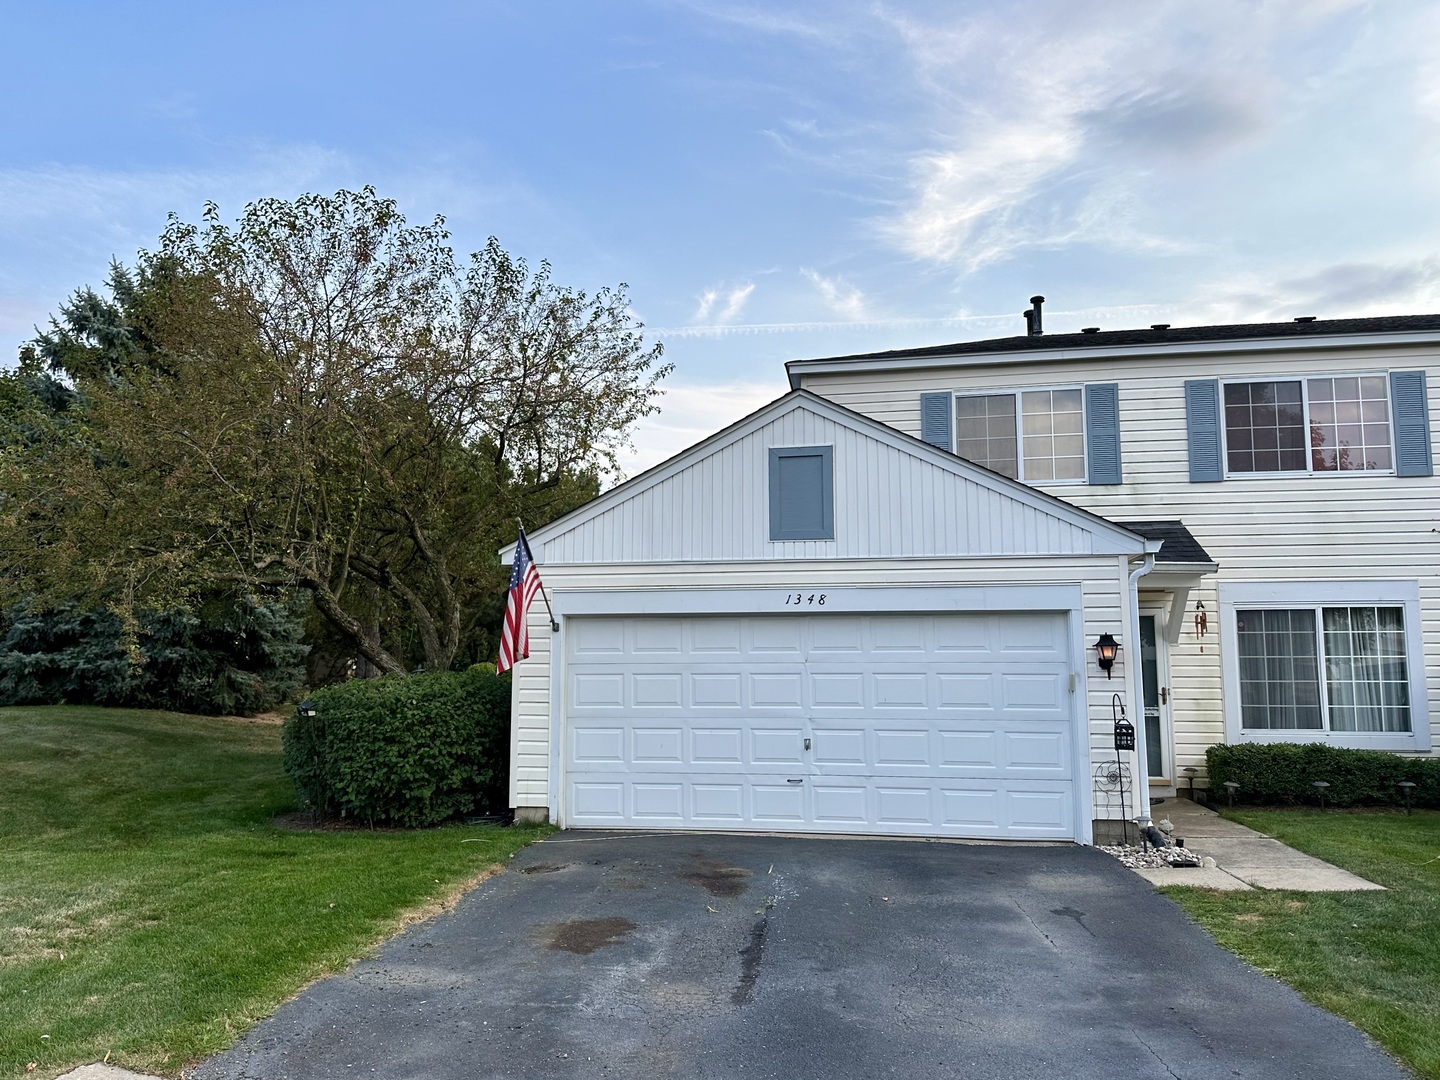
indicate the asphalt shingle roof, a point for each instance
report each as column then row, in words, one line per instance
column 1386, row 324
column 1179, row 546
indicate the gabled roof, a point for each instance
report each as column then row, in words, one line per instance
column 1120, row 539
column 1317, row 333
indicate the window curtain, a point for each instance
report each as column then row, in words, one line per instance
column 1366, row 674
column 1279, row 680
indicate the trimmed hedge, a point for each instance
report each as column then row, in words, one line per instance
column 403, row 750
column 1286, row 773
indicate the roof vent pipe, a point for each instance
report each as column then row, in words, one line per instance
column 1032, row 317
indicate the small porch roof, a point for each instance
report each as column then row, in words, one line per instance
column 1179, row 566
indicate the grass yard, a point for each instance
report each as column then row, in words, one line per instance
column 149, row 909
column 1371, row 957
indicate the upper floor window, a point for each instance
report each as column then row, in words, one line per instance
column 1032, row 435
column 1308, row 425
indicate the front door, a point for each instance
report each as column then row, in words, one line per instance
column 1155, row 688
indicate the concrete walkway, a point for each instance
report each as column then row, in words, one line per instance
column 1244, row 858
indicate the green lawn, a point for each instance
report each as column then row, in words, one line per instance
column 1371, row 957
column 149, row 909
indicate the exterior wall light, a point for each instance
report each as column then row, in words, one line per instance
column 1105, row 650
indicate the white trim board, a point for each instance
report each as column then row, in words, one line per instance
column 1275, row 594
column 849, row 599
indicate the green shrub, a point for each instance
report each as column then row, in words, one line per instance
column 403, row 750
column 1286, row 773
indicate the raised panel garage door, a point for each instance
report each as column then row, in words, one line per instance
column 926, row 725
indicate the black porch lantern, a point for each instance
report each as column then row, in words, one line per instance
column 1105, row 649
column 1124, row 734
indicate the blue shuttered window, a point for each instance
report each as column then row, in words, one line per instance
column 1102, row 430
column 1411, row 416
column 802, row 493
column 1202, row 426
column 936, row 419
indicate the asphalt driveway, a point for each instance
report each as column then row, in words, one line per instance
column 722, row 956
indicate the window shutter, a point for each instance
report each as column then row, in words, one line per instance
column 1102, row 433
column 935, row 419
column 802, row 493
column 1202, row 425
column 1411, row 415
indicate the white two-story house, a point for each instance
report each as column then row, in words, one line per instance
column 874, row 605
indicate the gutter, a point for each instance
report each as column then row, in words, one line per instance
column 1142, row 750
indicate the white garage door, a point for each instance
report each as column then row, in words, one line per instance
column 927, row 725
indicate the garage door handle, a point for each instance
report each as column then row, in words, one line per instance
column 807, row 744
column 794, row 781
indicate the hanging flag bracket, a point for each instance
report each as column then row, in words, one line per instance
column 554, row 623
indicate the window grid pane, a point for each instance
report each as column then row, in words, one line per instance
column 1265, row 427
column 985, row 432
column 1279, row 676
column 1366, row 669
column 1349, row 424
column 1054, row 428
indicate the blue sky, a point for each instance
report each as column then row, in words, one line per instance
column 771, row 180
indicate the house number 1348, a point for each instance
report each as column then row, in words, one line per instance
column 795, row 598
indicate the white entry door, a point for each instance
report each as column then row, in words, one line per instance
column 926, row 725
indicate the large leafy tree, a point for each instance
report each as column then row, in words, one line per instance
column 322, row 397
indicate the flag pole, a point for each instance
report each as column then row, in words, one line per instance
column 554, row 626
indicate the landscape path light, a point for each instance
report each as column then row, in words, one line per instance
column 1407, row 787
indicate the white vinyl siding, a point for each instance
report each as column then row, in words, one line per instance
column 1353, row 525
column 888, row 502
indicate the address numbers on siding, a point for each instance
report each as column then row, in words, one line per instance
column 796, row 599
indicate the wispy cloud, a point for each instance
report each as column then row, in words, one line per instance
column 1052, row 123
column 839, row 295
column 1340, row 290
column 719, row 306
column 750, row 329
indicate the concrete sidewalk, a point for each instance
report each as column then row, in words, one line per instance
column 1244, row 858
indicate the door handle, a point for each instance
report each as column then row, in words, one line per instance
column 1164, row 696
column 807, row 744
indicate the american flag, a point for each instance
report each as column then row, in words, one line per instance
column 524, row 584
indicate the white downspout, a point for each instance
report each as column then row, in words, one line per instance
column 1137, row 696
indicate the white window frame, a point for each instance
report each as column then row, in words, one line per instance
column 1304, row 381
column 1248, row 595
column 1015, row 392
